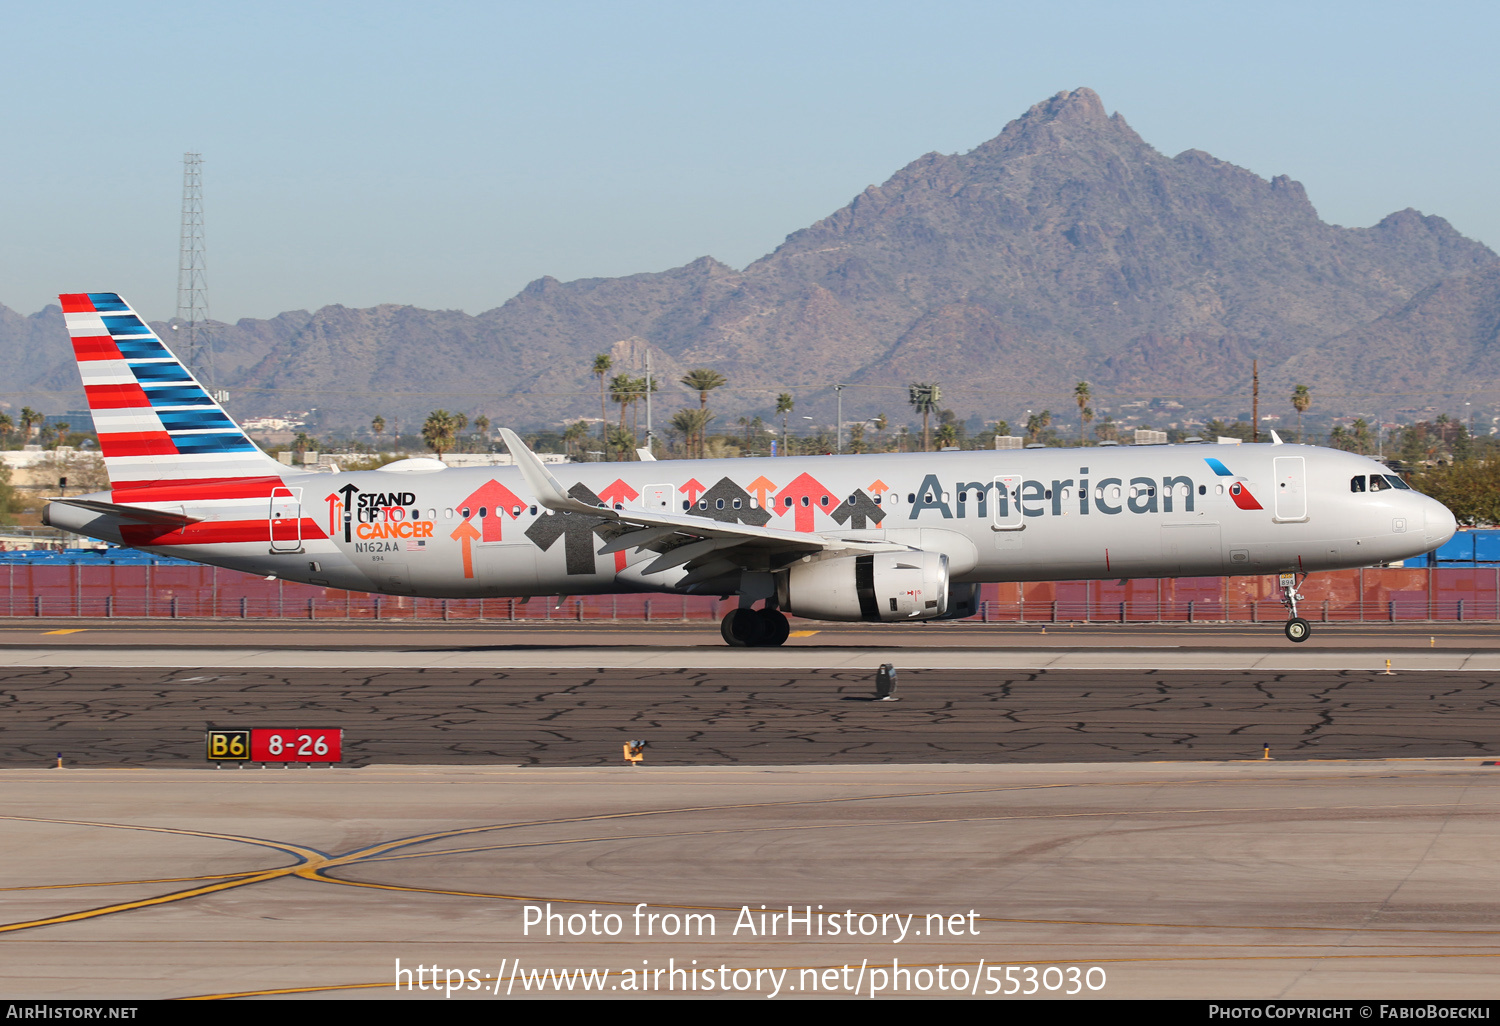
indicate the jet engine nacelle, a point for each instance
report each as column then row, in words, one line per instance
column 911, row 585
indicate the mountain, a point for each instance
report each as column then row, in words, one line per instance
column 1064, row 249
column 1447, row 332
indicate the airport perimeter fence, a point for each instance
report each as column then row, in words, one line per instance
column 194, row 591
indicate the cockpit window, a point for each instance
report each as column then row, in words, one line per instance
column 1396, row 482
column 1378, row 483
column 1357, row 483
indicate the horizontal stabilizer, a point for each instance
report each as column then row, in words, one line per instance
column 137, row 514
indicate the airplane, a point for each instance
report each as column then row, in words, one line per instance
column 888, row 538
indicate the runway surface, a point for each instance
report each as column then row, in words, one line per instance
column 603, row 644
column 100, row 717
column 1109, row 812
column 1243, row 880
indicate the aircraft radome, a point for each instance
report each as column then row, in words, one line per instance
column 890, row 538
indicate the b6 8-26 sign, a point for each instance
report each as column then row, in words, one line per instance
column 264, row 744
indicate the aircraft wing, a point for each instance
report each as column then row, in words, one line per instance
column 697, row 542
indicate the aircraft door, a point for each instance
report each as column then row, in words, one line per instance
column 1291, row 489
column 1007, row 503
column 286, row 519
column 659, row 498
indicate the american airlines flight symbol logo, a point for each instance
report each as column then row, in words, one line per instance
column 1237, row 490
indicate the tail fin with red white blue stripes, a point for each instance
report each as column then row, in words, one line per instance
column 163, row 437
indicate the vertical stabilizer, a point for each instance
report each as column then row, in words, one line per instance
column 163, row 437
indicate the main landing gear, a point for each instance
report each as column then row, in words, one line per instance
column 755, row 628
column 1297, row 629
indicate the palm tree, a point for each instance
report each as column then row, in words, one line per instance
column 703, row 381
column 29, row 419
column 482, row 425
column 784, row 406
column 6, row 427
column 924, row 396
column 621, row 442
column 857, row 437
column 602, row 365
column 623, row 391
column 576, row 432
column 947, row 435
column 881, row 423
column 691, row 423
column 439, row 430
column 1037, row 423
column 1081, row 397
column 378, row 426
column 1301, row 400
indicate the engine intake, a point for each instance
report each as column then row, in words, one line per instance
column 910, row 585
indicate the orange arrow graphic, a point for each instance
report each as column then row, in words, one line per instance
column 758, row 488
column 878, row 488
column 466, row 533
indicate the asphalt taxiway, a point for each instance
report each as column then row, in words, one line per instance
column 1093, row 798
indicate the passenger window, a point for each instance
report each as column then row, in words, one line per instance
column 432, row 514
column 1378, row 484
column 447, row 514
column 718, row 504
column 1357, row 483
column 736, row 503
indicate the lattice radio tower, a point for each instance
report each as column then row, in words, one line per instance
column 193, row 334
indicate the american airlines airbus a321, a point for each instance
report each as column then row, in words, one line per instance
column 888, row 538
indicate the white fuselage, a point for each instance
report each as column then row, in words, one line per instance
column 1028, row 515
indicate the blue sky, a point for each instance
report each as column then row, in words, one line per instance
column 446, row 154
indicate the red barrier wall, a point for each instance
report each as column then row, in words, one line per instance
column 1428, row 593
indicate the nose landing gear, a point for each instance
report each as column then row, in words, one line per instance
column 1296, row 628
column 755, row 628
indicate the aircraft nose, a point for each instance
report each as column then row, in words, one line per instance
column 1440, row 523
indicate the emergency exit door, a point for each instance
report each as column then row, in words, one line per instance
column 286, row 519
